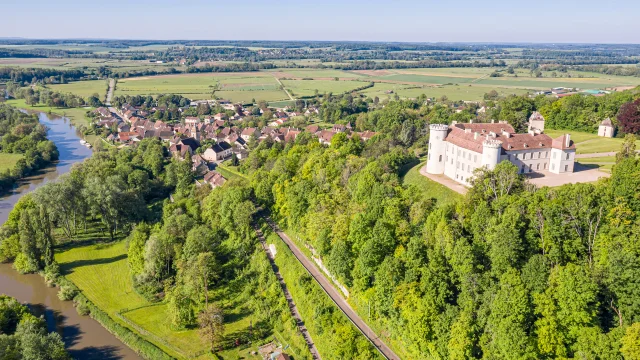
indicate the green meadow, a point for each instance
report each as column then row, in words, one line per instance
column 8, row 161
column 83, row 88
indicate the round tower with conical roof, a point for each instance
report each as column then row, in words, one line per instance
column 437, row 148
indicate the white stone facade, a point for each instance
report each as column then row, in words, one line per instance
column 458, row 150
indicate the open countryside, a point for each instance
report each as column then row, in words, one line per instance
column 454, row 83
column 436, row 195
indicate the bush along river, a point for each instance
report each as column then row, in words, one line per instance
column 84, row 337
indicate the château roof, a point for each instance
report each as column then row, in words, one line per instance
column 472, row 136
column 563, row 142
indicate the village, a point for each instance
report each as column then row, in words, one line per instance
column 224, row 136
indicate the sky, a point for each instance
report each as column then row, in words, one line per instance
column 541, row 21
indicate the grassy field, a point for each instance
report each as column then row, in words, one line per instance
column 410, row 175
column 83, row 88
column 587, row 143
column 101, row 271
column 8, row 161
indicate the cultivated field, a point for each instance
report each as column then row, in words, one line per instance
column 455, row 83
column 309, row 87
column 241, row 87
column 76, row 63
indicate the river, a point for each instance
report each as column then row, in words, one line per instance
column 84, row 337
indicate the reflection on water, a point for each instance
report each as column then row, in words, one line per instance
column 64, row 135
column 84, row 337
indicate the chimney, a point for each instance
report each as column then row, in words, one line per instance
column 467, row 131
column 470, row 121
column 531, row 132
column 475, row 135
column 567, row 139
column 492, row 121
column 506, row 134
column 454, row 122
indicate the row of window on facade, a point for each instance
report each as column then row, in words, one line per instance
column 464, row 154
column 539, row 155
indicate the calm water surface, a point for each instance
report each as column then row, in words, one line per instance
column 85, row 338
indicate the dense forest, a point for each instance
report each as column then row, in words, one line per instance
column 23, row 134
column 24, row 336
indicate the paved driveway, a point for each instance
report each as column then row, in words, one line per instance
column 581, row 174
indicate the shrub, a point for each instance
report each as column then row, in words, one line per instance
column 51, row 274
column 82, row 308
column 67, row 292
column 25, row 265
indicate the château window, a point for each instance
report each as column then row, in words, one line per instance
column 440, row 158
column 568, row 155
column 566, row 168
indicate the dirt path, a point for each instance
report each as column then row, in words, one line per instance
column 292, row 306
column 334, row 294
column 283, row 88
column 112, row 85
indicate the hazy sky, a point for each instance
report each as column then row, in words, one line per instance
column 587, row 21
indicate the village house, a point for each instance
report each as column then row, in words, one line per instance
column 200, row 165
column 248, row 133
column 214, row 179
column 217, row 152
column 325, row 137
column 458, row 150
column 103, row 112
column 184, row 146
column 191, row 120
column 339, row 128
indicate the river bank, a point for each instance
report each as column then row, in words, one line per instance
column 84, row 337
column 76, row 116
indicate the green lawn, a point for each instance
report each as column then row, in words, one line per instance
column 587, row 143
column 603, row 163
column 411, row 176
column 76, row 115
column 83, row 88
column 8, row 161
